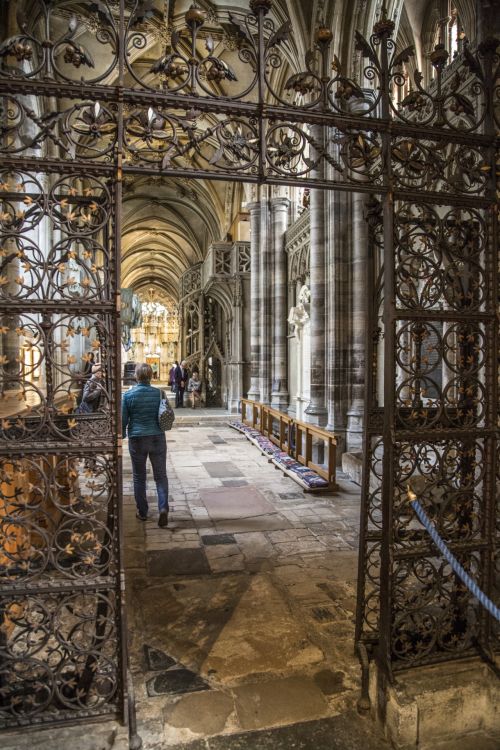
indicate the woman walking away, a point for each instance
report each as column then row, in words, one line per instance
column 145, row 438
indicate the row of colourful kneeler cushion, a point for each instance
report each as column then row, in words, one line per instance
column 280, row 458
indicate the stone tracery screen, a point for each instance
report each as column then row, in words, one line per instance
column 81, row 106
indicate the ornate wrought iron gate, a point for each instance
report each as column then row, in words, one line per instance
column 432, row 413
column 80, row 108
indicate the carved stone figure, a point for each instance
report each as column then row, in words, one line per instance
column 299, row 315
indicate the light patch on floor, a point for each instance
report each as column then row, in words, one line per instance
column 262, row 636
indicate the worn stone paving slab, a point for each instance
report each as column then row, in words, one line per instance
column 227, row 564
column 157, row 660
column 175, row 682
column 272, row 521
column 299, row 547
column 191, row 461
column 194, row 483
column 222, row 469
column 175, row 561
column 323, row 614
column 202, row 712
column 473, row 742
column 218, row 539
column 329, row 682
column 337, row 733
column 216, row 439
column 290, row 535
column 229, row 503
column 184, row 618
column 254, row 544
column 262, row 635
column 277, row 702
column 221, row 550
column 107, row 735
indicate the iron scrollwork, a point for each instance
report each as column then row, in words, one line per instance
column 41, row 49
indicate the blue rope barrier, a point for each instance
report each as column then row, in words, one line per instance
column 457, row 568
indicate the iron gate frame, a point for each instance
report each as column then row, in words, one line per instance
column 361, row 158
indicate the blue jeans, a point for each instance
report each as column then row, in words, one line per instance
column 154, row 446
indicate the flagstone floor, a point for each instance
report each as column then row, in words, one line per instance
column 241, row 612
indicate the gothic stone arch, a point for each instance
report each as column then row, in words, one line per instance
column 78, row 114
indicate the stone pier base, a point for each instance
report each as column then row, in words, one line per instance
column 352, row 465
column 443, row 707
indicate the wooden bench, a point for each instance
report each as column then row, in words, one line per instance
column 297, row 444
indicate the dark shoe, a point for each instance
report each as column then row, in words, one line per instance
column 163, row 519
column 140, row 516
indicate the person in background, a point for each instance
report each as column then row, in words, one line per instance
column 194, row 388
column 90, row 362
column 94, row 394
column 171, row 376
column 87, row 373
column 145, row 439
column 181, row 379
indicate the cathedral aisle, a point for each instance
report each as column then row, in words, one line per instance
column 241, row 612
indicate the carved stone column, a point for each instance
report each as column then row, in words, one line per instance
column 265, row 301
column 358, row 310
column 236, row 362
column 254, row 392
column 338, row 259
column 279, row 222
column 316, row 411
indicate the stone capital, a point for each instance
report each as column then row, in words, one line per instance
column 255, row 206
column 279, row 202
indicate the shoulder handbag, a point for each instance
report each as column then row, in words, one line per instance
column 166, row 414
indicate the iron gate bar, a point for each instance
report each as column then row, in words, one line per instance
column 386, row 440
column 52, row 166
column 119, row 551
column 286, row 116
column 280, row 112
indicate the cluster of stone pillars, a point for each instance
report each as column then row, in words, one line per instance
column 268, row 291
column 338, row 264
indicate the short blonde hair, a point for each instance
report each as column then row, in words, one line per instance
column 143, row 373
